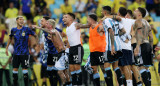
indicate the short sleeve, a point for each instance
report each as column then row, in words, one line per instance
column 12, row 32
column 107, row 24
column 30, row 32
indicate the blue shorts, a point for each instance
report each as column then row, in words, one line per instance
column 126, row 58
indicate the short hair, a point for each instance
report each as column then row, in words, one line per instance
column 130, row 12
column 52, row 22
column 107, row 8
column 122, row 11
column 143, row 11
column 19, row 17
column 93, row 16
column 72, row 15
column 46, row 17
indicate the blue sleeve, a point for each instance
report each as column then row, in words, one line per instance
column 30, row 31
column 12, row 32
column 59, row 29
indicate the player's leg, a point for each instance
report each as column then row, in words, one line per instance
column 44, row 75
column 118, row 73
column 8, row 79
column 96, row 76
column 1, row 76
column 109, row 78
column 25, row 64
column 137, row 75
column 15, row 63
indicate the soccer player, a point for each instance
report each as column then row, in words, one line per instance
column 21, row 52
column 76, row 51
column 51, row 54
column 56, row 38
column 142, row 32
column 97, row 45
column 113, row 48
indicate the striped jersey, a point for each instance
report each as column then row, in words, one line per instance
column 109, row 23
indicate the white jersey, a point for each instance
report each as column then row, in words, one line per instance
column 115, row 26
column 73, row 35
column 127, row 23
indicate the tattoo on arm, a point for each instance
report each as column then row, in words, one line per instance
column 111, row 36
column 122, row 32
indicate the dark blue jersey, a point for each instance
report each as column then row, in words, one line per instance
column 49, row 44
column 21, row 40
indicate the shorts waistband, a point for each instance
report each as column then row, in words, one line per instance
column 75, row 46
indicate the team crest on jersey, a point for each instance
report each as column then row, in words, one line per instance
column 23, row 33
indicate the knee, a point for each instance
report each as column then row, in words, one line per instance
column 15, row 69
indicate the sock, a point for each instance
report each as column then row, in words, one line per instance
column 109, row 76
column 129, row 82
column 144, row 76
column 149, row 76
column 74, row 78
column 44, row 84
column 134, row 80
column 79, row 77
column 25, row 76
column 124, row 79
column 96, row 79
column 52, row 74
column 15, row 78
column 105, row 77
column 138, row 84
column 119, row 76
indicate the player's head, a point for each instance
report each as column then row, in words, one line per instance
column 140, row 12
column 68, row 18
column 92, row 18
column 50, row 24
column 106, row 10
column 129, row 14
column 44, row 20
column 11, row 5
column 122, row 11
column 20, row 21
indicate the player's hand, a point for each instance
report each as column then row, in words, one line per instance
column 113, row 50
column 35, row 26
column 126, row 41
column 4, row 67
column 6, row 51
column 136, row 51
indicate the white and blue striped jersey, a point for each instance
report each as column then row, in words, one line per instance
column 109, row 23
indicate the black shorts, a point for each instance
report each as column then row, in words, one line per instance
column 146, row 53
column 76, row 54
column 97, row 58
column 52, row 58
column 21, row 59
column 126, row 58
column 159, row 67
column 110, row 58
column 44, row 72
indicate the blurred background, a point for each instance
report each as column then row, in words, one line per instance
column 34, row 10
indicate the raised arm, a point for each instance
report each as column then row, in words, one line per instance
column 79, row 26
column 44, row 29
column 115, row 17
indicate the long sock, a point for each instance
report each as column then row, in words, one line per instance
column 96, row 79
column 79, row 77
column 134, row 80
column 119, row 76
column 145, row 77
column 52, row 74
column 129, row 83
column 25, row 76
column 109, row 76
column 74, row 78
column 124, row 80
column 15, row 78
column 149, row 76
column 44, row 84
column 138, row 84
column 105, row 77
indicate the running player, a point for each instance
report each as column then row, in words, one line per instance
column 142, row 32
column 21, row 52
column 76, row 50
column 113, row 48
column 56, row 38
